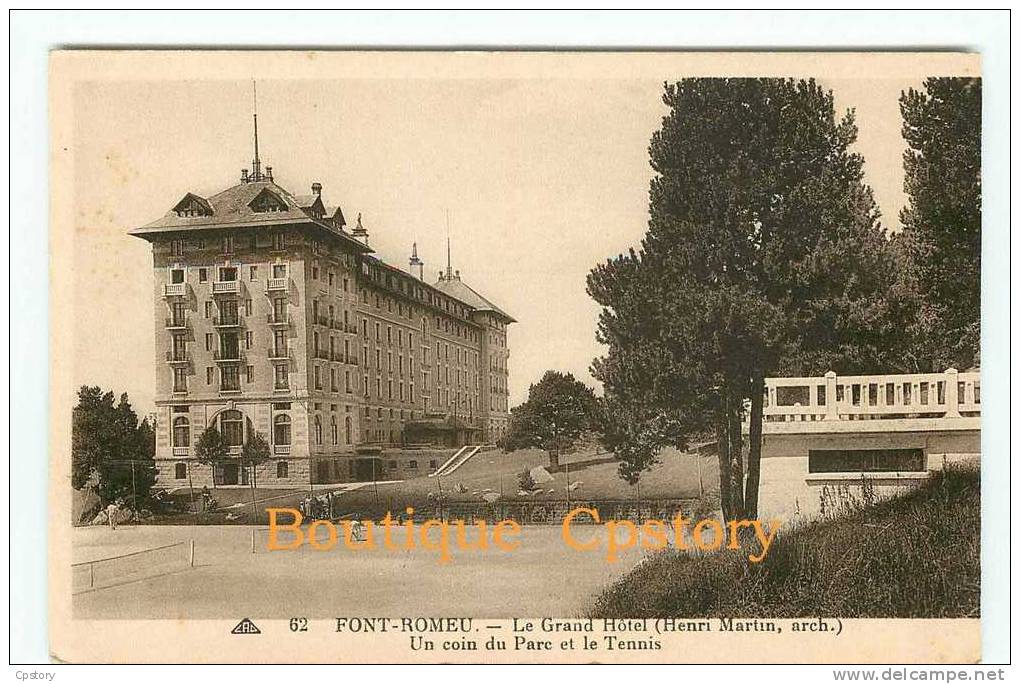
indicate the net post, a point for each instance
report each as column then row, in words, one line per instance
column 253, row 540
column 191, row 553
column 92, row 575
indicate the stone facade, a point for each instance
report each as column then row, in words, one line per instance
column 273, row 318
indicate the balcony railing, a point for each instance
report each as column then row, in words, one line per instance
column 227, row 355
column 278, row 354
column 226, row 287
column 175, row 289
column 232, row 321
column 178, row 356
column 282, row 319
column 276, row 285
column 227, row 388
column 176, row 323
column 181, row 451
column 281, row 448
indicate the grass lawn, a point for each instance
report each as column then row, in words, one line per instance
column 675, row 477
column 916, row 556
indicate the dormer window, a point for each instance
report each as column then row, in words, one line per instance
column 192, row 205
column 267, row 202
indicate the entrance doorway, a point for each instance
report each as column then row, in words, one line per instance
column 230, row 474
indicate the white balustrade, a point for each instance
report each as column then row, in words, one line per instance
column 868, row 397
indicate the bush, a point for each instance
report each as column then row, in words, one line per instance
column 913, row 556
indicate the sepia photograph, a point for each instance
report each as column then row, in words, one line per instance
column 515, row 357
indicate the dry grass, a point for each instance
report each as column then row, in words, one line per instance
column 917, row 555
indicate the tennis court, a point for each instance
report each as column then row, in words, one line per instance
column 541, row 577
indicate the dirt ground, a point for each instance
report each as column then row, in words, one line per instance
column 541, row 577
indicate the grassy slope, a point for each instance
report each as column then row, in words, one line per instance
column 675, row 477
column 917, row 555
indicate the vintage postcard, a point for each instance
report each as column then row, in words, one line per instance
column 495, row 357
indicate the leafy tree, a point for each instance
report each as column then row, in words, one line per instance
column 763, row 255
column 942, row 222
column 211, row 449
column 254, row 452
column 558, row 411
column 111, row 452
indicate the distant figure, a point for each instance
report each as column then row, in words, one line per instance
column 111, row 514
column 206, row 498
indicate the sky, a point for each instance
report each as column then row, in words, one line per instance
column 543, row 179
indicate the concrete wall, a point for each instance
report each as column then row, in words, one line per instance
column 788, row 492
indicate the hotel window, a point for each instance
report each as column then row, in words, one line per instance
column 208, row 309
column 378, row 359
column 333, row 432
column 348, row 430
column 389, row 362
column 177, row 276
column 247, row 339
column 378, row 332
column 389, row 388
column 347, row 382
column 279, row 270
column 279, row 310
column 279, row 242
column 250, row 373
column 331, row 278
column 332, row 380
column 203, row 275
column 232, row 427
column 228, row 244
column 281, row 429
column 345, row 284
column 279, row 343
column 253, row 272
column 180, row 380
column 181, row 471
column 318, row 378
column 401, row 390
column 230, row 380
column 209, row 375
column 281, row 470
column 378, row 389
column 181, row 432
column 389, row 334
column 281, row 377
column 228, row 274
column 411, row 388
column 177, row 247
column 365, row 379
column 318, row 430
column 315, row 272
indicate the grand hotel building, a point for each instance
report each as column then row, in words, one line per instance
column 273, row 316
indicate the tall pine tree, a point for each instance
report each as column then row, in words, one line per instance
column 763, row 255
column 942, row 222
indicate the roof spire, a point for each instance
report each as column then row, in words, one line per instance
column 449, row 265
column 256, row 165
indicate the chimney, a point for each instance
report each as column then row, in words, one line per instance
column 417, row 263
column 269, row 174
column 316, row 188
column 244, row 175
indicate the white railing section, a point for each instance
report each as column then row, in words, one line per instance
column 865, row 397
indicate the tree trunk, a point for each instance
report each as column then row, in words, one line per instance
column 725, row 472
column 736, row 457
column 754, row 447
